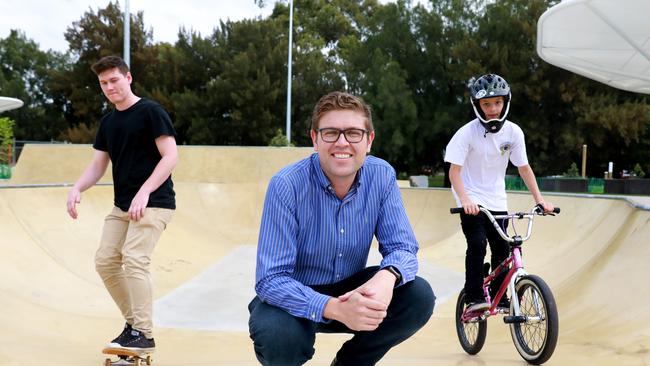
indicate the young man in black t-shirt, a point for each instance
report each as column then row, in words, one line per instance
column 137, row 137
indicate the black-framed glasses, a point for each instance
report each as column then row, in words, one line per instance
column 352, row 135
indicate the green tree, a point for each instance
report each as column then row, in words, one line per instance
column 380, row 64
column 24, row 74
column 6, row 147
column 95, row 35
column 559, row 111
column 236, row 102
column 442, row 104
column 410, row 62
column 318, row 25
column 6, row 140
column 186, row 70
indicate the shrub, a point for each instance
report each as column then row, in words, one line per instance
column 573, row 171
column 638, row 171
column 280, row 139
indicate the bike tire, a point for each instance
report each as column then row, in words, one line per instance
column 471, row 335
column 535, row 340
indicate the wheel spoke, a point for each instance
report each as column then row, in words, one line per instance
column 536, row 337
column 471, row 331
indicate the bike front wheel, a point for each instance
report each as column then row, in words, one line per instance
column 535, row 335
column 471, row 334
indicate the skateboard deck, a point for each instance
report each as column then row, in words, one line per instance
column 127, row 357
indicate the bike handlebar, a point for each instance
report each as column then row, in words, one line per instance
column 457, row 210
column 536, row 210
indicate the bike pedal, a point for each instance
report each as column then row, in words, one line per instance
column 512, row 319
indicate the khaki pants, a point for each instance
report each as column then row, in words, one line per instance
column 123, row 259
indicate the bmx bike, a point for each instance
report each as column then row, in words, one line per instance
column 532, row 315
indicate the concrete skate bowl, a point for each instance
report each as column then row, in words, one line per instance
column 56, row 311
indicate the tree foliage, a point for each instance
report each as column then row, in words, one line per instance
column 410, row 62
column 25, row 74
column 97, row 34
column 6, row 139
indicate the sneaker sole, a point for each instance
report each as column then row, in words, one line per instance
column 480, row 307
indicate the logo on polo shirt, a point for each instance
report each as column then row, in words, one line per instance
column 505, row 147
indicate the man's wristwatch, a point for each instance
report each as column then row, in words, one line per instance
column 395, row 272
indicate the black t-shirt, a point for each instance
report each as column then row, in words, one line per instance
column 129, row 138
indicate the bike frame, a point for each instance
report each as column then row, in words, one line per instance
column 513, row 264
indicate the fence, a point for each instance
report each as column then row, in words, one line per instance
column 559, row 184
column 552, row 184
column 5, row 171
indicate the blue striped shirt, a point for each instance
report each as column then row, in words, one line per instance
column 309, row 236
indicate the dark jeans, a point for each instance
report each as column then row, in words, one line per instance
column 477, row 230
column 280, row 339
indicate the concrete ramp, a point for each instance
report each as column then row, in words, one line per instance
column 56, row 311
column 64, row 163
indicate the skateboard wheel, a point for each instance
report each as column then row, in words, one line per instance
column 108, row 362
column 136, row 362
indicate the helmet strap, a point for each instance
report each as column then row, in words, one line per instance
column 481, row 116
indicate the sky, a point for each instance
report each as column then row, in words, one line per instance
column 45, row 21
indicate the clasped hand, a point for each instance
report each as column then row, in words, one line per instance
column 365, row 307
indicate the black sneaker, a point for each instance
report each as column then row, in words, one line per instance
column 477, row 306
column 115, row 343
column 136, row 341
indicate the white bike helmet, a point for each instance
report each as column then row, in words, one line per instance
column 488, row 86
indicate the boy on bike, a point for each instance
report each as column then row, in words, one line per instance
column 479, row 153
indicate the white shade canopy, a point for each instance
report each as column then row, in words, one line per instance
column 604, row 40
column 9, row 103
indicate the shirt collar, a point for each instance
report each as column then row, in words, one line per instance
column 322, row 179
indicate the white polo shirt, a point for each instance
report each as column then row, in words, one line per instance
column 484, row 159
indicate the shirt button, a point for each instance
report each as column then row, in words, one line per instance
column 342, row 231
column 313, row 315
column 337, row 276
column 340, row 254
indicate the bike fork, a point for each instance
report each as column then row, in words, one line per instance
column 514, row 299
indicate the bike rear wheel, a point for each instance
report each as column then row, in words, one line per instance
column 471, row 334
column 536, row 336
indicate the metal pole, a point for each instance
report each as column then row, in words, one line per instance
column 584, row 161
column 127, row 34
column 289, row 73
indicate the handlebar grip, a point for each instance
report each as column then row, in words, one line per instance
column 556, row 210
column 456, row 210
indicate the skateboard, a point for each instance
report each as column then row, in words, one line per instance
column 127, row 357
